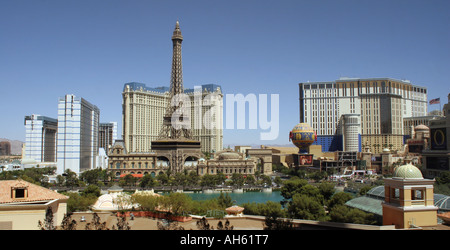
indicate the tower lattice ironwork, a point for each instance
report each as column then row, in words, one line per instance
column 169, row 129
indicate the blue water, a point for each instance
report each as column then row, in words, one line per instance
column 240, row 198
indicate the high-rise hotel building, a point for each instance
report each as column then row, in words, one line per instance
column 143, row 109
column 77, row 140
column 363, row 111
column 40, row 138
column 107, row 135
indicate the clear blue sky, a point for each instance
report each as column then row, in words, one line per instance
column 49, row 48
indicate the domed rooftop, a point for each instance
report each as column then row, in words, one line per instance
column 229, row 156
column 407, row 171
column 112, row 202
column 421, row 127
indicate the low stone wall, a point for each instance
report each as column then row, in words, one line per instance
column 311, row 224
column 158, row 215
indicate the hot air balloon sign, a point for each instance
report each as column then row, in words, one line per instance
column 302, row 136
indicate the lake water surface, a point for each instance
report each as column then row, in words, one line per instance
column 240, row 198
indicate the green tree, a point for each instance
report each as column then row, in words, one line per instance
column 364, row 190
column 266, row 180
column 163, row 179
column 305, row 207
column 70, row 178
column 237, row 180
column 147, row 181
column 177, row 203
column 274, row 217
column 180, row 179
column 93, row 190
column 344, row 214
column 78, row 202
column 130, row 180
column 326, row 189
column 146, row 202
column 272, row 209
column 192, row 178
column 250, row 180
column 91, row 176
column 220, row 178
column 207, row 180
column 278, row 181
column 291, row 187
column 225, row 200
column 203, row 206
column 339, row 199
column 311, row 191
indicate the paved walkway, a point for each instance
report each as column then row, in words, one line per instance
column 143, row 223
column 245, row 223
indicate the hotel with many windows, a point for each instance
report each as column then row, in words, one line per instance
column 363, row 112
column 143, row 109
column 40, row 138
column 77, row 140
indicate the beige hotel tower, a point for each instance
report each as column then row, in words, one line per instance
column 144, row 107
column 368, row 112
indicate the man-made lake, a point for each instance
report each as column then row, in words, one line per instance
column 240, row 198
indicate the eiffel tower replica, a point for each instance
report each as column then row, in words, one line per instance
column 175, row 142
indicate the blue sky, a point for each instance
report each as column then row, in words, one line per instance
column 91, row 48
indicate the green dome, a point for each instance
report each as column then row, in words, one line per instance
column 407, row 171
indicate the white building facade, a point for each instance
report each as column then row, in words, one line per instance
column 40, row 138
column 77, row 140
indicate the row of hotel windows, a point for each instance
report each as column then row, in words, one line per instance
column 365, row 85
column 139, row 165
column 407, row 91
column 240, row 170
column 227, row 170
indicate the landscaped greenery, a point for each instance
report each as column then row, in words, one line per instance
column 310, row 202
column 313, row 200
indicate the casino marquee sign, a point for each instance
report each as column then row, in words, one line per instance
column 438, row 139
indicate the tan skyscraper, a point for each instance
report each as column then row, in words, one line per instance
column 368, row 112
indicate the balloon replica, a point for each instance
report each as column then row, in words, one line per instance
column 302, row 136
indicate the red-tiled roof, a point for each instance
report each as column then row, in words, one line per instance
column 235, row 209
column 134, row 175
column 34, row 192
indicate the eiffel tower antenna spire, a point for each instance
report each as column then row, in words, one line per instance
column 174, row 142
column 176, row 88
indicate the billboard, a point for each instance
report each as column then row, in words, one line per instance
column 304, row 160
column 438, row 137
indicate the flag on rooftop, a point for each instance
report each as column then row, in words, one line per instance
column 435, row 101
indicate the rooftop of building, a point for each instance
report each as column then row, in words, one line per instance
column 34, row 193
column 407, row 171
column 352, row 79
column 41, row 117
column 136, row 86
column 372, row 201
